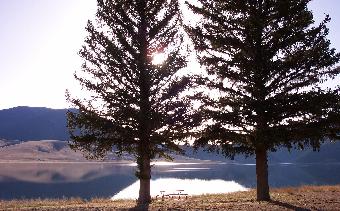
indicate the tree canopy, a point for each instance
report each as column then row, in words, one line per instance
column 267, row 59
column 135, row 105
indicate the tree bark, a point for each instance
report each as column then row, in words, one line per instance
column 262, row 174
column 144, row 181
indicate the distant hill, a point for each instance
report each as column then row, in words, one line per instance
column 329, row 152
column 38, row 151
column 35, row 124
column 28, row 123
column 52, row 150
column 44, row 150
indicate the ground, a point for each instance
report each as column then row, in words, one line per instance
column 300, row 198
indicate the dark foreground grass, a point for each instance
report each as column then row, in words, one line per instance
column 301, row 198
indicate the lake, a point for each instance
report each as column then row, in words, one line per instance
column 89, row 180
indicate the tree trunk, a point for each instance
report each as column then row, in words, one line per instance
column 144, row 181
column 262, row 174
column 145, row 108
column 144, row 191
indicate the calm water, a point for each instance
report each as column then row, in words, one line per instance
column 88, row 180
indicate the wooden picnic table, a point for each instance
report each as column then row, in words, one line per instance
column 172, row 195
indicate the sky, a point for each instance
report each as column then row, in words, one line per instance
column 40, row 40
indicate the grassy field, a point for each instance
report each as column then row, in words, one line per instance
column 301, row 198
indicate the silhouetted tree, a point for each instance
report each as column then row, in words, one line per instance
column 266, row 59
column 135, row 105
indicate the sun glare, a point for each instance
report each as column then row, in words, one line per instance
column 158, row 58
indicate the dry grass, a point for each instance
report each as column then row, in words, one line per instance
column 301, row 198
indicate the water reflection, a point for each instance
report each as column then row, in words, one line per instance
column 59, row 172
column 88, row 180
column 58, row 180
column 166, row 163
column 191, row 169
column 189, row 186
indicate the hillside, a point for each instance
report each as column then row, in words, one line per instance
column 39, row 151
column 45, row 150
column 329, row 152
column 35, row 124
column 27, row 123
column 4, row 142
column 51, row 151
column 59, row 151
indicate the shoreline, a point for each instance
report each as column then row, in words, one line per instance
column 63, row 162
column 128, row 162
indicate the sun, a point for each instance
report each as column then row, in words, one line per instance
column 158, row 58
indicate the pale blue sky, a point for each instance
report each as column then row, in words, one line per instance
column 40, row 39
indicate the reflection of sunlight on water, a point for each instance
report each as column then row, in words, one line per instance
column 191, row 168
column 190, row 186
column 164, row 163
column 186, row 169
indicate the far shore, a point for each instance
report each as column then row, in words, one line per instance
column 289, row 198
column 63, row 162
column 123, row 162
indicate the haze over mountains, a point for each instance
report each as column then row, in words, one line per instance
column 28, row 123
column 40, row 134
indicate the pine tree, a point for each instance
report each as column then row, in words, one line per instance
column 134, row 105
column 267, row 59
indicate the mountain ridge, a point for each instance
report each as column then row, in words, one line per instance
column 25, row 124
column 59, row 151
column 33, row 123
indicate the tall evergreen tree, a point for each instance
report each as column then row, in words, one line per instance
column 267, row 59
column 135, row 105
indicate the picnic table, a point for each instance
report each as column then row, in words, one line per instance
column 179, row 194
